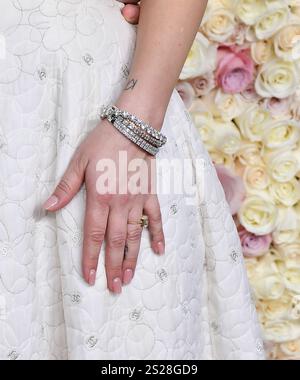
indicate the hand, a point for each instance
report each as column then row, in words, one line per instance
column 107, row 214
column 131, row 11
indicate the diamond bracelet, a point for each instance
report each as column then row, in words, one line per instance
column 133, row 128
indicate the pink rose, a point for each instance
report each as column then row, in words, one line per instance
column 278, row 107
column 186, row 92
column 253, row 245
column 233, row 187
column 204, row 84
column 235, row 69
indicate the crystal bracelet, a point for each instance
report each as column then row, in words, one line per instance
column 130, row 134
column 143, row 128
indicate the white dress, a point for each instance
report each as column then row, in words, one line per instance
column 61, row 60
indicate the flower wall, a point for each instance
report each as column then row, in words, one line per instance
column 241, row 83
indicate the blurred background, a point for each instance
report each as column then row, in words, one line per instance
column 241, row 83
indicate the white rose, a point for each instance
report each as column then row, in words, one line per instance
column 295, row 312
column 269, row 287
column 291, row 348
column 249, row 11
column 277, row 309
column 222, row 159
column 282, row 165
column 201, row 59
column 287, row 230
column 250, row 154
column 253, row 122
column 295, row 9
column 284, row 236
column 287, row 43
column 262, row 51
column 228, row 106
column 256, row 177
column 281, row 331
column 227, row 138
column 218, row 24
column 287, row 193
column 277, row 78
column 258, row 215
column 291, row 277
column 289, row 249
column 204, row 122
column 270, row 22
column 281, row 134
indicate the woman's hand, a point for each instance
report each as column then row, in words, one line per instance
column 107, row 213
column 131, row 11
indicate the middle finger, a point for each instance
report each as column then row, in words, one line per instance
column 115, row 244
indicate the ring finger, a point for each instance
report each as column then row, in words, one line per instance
column 133, row 243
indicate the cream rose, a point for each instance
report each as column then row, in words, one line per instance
column 281, row 331
column 249, row 11
column 287, row 230
column 256, row 177
column 204, row 122
column 250, row 154
column 287, row 43
column 227, row 138
column 201, row 59
column 271, row 21
column 295, row 9
column 281, row 134
column 218, row 24
column 229, row 106
column 277, row 78
column 289, row 249
column 287, row 193
column 220, row 158
column 258, row 215
column 282, row 165
column 295, row 312
column 253, row 122
column 262, row 51
column 277, row 309
column 269, row 287
column 291, row 348
column 292, row 279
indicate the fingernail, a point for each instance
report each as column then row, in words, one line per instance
column 160, row 248
column 92, row 277
column 51, row 202
column 117, row 286
column 128, row 275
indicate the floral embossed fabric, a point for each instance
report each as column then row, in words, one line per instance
column 63, row 59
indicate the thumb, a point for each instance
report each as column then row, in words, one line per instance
column 68, row 186
column 131, row 13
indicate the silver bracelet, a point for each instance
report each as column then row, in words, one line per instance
column 135, row 129
column 111, row 116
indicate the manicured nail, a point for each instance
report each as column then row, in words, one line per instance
column 117, row 285
column 160, row 248
column 92, row 277
column 128, row 275
column 51, row 202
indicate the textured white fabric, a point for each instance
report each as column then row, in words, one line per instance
column 64, row 58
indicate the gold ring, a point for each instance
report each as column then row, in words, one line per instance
column 143, row 222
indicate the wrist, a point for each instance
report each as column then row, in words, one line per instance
column 145, row 109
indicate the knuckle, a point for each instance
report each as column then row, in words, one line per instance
column 64, row 186
column 117, row 240
column 134, row 234
column 155, row 217
column 96, row 236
